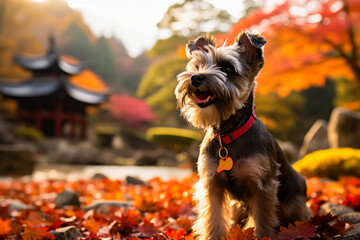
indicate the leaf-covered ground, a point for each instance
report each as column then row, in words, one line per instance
column 157, row 210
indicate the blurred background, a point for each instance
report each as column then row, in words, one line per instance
column 90, row 83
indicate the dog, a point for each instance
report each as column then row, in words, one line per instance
column 244, row 177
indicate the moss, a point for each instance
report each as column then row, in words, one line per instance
column 28, row 133
column 174, row 138
column 331, row 163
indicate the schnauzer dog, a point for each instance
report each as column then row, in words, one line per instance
column 244, row 176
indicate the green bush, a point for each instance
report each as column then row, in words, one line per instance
column 174, row 138
column 28, row 133
column 331, row 163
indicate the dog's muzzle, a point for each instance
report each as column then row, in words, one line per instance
column 197, row 79
column 203, row 98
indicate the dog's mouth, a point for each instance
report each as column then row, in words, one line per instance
column 204, row 99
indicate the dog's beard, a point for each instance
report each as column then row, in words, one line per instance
column 217, row 98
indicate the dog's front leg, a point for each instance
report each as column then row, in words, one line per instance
column 213, row 219
column 264, row 206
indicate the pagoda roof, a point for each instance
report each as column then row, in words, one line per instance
column 83, row 95
column 48, row 60
column 33, row 87
column 44, row 86
column 37, row 63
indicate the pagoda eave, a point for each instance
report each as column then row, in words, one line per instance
column 37, row 63
column 85, row 96
column 30, row 88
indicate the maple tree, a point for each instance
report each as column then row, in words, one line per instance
column 307, row 42
column 162, row 210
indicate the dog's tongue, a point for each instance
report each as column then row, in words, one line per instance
column 203, row 98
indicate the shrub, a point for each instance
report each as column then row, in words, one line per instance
column 174, row 138
column 331, row 163
column 28, row 133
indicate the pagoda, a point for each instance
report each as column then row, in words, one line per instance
column 55, row 97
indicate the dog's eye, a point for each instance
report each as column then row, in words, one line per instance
column 229, row 69
column 197, row 67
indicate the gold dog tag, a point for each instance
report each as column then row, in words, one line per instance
column 225, row 162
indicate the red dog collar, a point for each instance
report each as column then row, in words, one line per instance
column 229, row 137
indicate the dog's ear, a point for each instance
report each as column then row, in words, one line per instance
column 253, row 44
column 200, row 44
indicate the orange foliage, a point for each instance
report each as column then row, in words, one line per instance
column 89, row 81
column 25, row 26
column 303, row 49
column 161, row 210
column 5, row 227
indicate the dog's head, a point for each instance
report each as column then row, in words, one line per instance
column 218, row 81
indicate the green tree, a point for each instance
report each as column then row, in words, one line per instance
column 77, row 43
column 103, row 61
column 193, row 17
column 157, row 87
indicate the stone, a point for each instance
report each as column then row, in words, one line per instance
column 66, row 233
column 154, row 157
column 66, row 198
column 289, row 150
column 315, row 139
column 17, row 159
column 344, row 128
column 6, row 137
column 17, row 205
column 353, row 234
column 335, row 209
column 134, row 181
column 99, row 176
column 356, row 226
column 103, row 206
column 351, row 217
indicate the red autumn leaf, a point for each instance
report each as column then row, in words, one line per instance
column 240, row 234
column 147, row 229
column 300, row 230
column 92, row 225
column 174, row 234
column 36, row 233
column 5, row 227
column 328, row 226
column 319, row 220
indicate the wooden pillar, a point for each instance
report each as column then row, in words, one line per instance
column 38, row 117
column 72, row 128
column 83, row 127
column 58, row 119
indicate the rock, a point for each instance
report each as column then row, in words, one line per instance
column 67, row 197
column 17, row 205
column 315, row 139
column 18, row 159
column 145, row 159
column 356, row 226
column 289, row 150
column 6, row 137
column 99, row 176
column 66, row 233
column 344, row 128
column 351, row 217
column 104, row 206
column 335, row 209
column 84, row 153
column 353, row 234
column 134, row 181
column 155, row 157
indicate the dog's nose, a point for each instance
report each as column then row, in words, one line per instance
column 196, row 79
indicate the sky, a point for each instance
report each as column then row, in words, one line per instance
column 134, row 21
